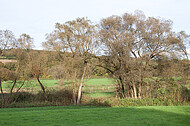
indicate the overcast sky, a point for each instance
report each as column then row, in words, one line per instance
column 38, row 17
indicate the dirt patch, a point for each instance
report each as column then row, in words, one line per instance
column 4, row 61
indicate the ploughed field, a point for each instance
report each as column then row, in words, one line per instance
column 96, row 116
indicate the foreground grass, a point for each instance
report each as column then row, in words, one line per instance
column 95, row 116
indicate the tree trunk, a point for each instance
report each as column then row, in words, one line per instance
column 81, row 85
column 74, row 93
column 132, row 92
column 140, row 89
column 18, row 91
column 43, row 88
column 135, row 91
column 2, row 95
column 128, row 91
column 122, row 88
column 11, row 92
column 74, row 97
column 20, row 87
column 150, row 91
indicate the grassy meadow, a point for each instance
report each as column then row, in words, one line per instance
column 94, row 116
column 86, row 115
column 96, row 87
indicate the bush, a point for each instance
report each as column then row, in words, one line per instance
column 99, row 102
column 89, row 101
column 54, row 98
column 1, row 65
column 24, row 97
column 10, row 66
column 63, row 96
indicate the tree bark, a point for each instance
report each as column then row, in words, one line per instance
column 140, row 89
column 43, row 88
column 18, row 91
column 74, row 93
column 122, row 87
column 81, row 85
column 20, row 87
column 128, row 91
column 150, row 91
column 11, row 92
column 135, row 91
column 2, row 95
column 132, row 92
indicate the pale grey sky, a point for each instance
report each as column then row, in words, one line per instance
column 38, row 17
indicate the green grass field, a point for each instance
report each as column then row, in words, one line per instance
column 101, row 87
column 51, row 82
column 31, row 83
column 96, row 87
column 4, row 57
column 96, row 116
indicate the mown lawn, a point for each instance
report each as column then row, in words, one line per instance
column 96, row 116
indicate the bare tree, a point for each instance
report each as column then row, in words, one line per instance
column 7, row 40
column 34, row 61
column 25, row 42
column 78, row 38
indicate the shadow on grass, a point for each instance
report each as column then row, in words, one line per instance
column 67, row 83
column 79, row 115
column 101, row 94
column 188, row 94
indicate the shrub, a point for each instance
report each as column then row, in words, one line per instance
column 145, row 102
column 89, row 101
column 99, row 102
column 24, row 97
column 10, row 66
column 55, row 98
column 63, row 96
column 1, row 65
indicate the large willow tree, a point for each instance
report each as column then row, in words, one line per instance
column 132, row 43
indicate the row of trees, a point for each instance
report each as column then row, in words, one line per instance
column 131, row 46
column 142, row 54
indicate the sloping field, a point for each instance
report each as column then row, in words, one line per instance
column 96, row 116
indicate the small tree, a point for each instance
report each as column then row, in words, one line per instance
column 7, row 40
column 78, row 38
column 32, row 62
column 5, row 75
